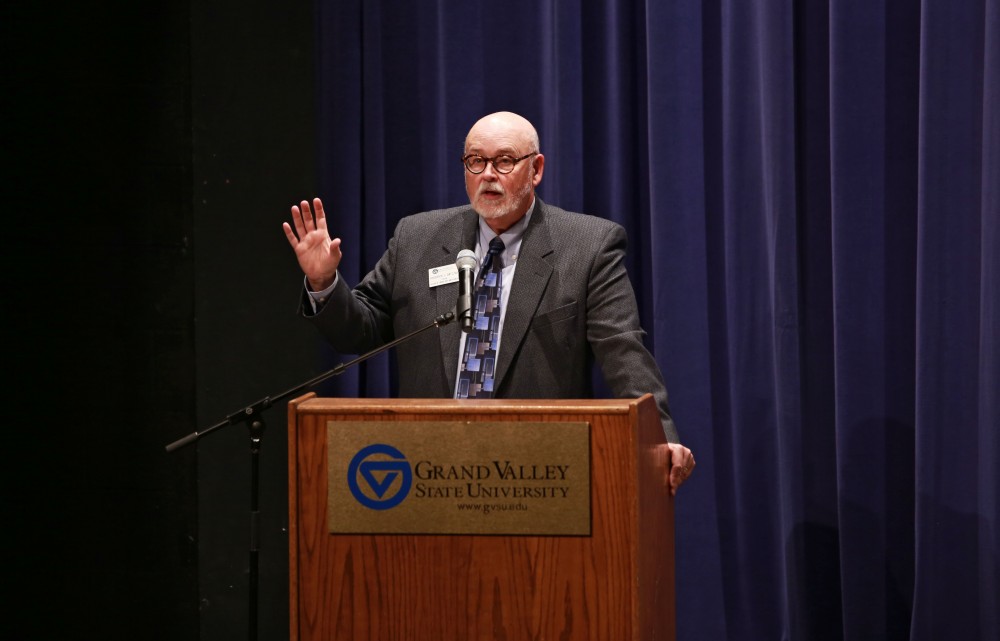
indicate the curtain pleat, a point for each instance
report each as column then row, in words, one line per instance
column 812, row 195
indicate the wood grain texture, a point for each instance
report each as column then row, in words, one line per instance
column 616, row 584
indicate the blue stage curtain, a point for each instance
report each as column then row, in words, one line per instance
column 812, row 194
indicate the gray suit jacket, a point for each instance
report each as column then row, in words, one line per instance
column 571, row 301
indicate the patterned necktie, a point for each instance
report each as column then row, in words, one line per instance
column 479, row 358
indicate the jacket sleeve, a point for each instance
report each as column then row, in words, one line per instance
column 358, row 320
column 614, row 333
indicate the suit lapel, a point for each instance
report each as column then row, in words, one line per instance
column 447, row 295
column 530, row 280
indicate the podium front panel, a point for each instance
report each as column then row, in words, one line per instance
column 616, row 582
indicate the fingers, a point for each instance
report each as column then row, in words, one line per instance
column 297, row 220
column 320, row 214
column 293, row 239
column 305, row 220
column 681, row 466
column 335, row 250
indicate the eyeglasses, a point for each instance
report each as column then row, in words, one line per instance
column 502, row 164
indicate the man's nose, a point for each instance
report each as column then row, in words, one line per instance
column 490, row 172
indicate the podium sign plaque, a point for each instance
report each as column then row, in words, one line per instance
column 458, row 477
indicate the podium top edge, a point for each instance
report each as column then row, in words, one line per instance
column 465, row 406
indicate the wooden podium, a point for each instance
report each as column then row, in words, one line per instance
column 614, row 584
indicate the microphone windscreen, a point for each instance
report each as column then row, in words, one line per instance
column 466, row 259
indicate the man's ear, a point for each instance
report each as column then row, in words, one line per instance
column 538, row 168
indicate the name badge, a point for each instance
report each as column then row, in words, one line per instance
column 442, row 275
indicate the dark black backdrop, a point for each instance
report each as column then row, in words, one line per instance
column 151, row 152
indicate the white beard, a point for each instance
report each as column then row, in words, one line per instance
column 490, row 210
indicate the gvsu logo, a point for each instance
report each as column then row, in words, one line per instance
column 379, row 467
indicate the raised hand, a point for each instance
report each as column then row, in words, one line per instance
column 318, row 255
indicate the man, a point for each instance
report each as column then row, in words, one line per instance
column 560, row 290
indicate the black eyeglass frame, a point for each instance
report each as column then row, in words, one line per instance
column 493, row 161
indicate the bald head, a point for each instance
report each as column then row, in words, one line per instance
column 505, row 125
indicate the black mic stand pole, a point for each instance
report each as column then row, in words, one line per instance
column 252, row 415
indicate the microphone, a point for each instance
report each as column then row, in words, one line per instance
column 466, row 263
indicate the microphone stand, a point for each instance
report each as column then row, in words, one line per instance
column 252, row 415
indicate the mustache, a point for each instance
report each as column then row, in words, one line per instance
column 491, row 188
